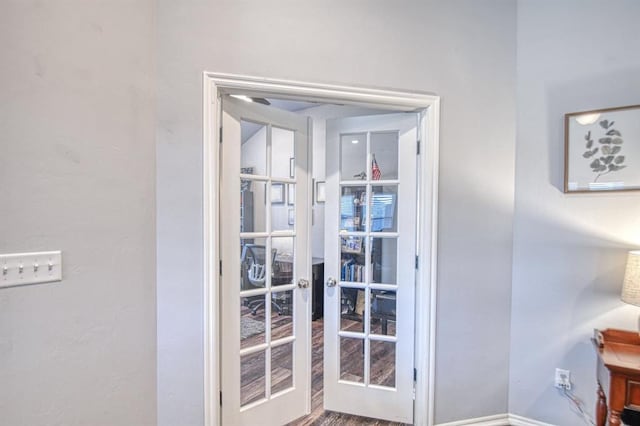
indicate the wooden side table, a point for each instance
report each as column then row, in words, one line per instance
column 618, row 374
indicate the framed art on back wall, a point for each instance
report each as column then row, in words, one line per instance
column 602, row 150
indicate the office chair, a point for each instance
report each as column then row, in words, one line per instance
column 254, row 263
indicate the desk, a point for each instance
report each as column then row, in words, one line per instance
column 283, row 274
column 618, row 374
column 317, row 288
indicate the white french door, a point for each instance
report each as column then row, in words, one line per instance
column 370, row 247
column 265, row 359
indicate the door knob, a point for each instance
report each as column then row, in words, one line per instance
column 331, row 282
column 303, row 283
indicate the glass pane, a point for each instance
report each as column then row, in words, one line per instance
column 253, row 206
column 283, row 261
column 353, row 157
column 384, row 257
column 281, row 367
column 253, row 267
column 253, row 152
column 279, row 208
column 252, row 321
column 352, row 359
column 384, row 150
column 383, row 363
column 282, row 146
column 352, row 257
column 353, row 207
column 291, row 196
column 383, row 208
column 383, row 312
column 252, row 378
column 352, row 309
column 281, row 314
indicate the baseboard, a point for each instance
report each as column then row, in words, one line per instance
column 497, row 420
column 515, row 420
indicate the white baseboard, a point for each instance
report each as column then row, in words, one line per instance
column 523, row 421
column 497, row 420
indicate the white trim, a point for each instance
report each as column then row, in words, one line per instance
column 389, row 99
column 515, row 420
column 497, row 420
column 427, row 272
column 211, row 195
column 213, row 85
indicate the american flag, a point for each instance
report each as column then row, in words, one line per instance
column 376, row 174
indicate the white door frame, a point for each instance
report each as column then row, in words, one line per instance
column 214, row 84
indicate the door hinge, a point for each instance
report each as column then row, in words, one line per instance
column 221, row 267
column 417, row 261
column 221, row 398
column 220, row 134
column 418, row 149
column 415, row 374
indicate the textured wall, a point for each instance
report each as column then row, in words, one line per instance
column 77, row 173
column 569, row 249
column 461, row 50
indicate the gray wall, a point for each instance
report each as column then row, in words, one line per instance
column 463, row 51
column 77, row 173
column 569, row 250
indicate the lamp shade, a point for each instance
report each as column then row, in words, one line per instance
column 631, row 284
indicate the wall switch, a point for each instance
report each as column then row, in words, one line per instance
column 30, row 268
column 563, row 379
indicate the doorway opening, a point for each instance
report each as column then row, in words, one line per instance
column 281, row 191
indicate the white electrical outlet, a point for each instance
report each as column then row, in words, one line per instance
column 563, row 379
column 30, row 268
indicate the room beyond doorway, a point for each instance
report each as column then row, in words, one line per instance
column 426, row 218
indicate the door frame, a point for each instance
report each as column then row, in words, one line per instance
column 428, row 105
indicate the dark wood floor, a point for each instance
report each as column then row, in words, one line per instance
column 253, row 382
column 318, row 416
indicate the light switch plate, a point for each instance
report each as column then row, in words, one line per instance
column 30, row 268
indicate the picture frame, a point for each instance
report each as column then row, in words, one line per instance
column 292, row 167
column 291, row 194
column 291, row 220
column 320, row 191
column 277, row 193
column 601, row 152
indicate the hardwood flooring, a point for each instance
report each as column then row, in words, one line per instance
column 318, row 416
column 253, row 377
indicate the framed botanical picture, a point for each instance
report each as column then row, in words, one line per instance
column 277, row 193
column 291, row 194
column 602, row 150
column 321, row 192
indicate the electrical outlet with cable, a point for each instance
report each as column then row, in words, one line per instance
column 563, row 379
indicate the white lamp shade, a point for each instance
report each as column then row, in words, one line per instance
column 631, row 284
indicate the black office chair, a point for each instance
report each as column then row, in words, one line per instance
column 255, row 275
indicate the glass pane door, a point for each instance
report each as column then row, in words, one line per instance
column 264, row 251
column 370, row 251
